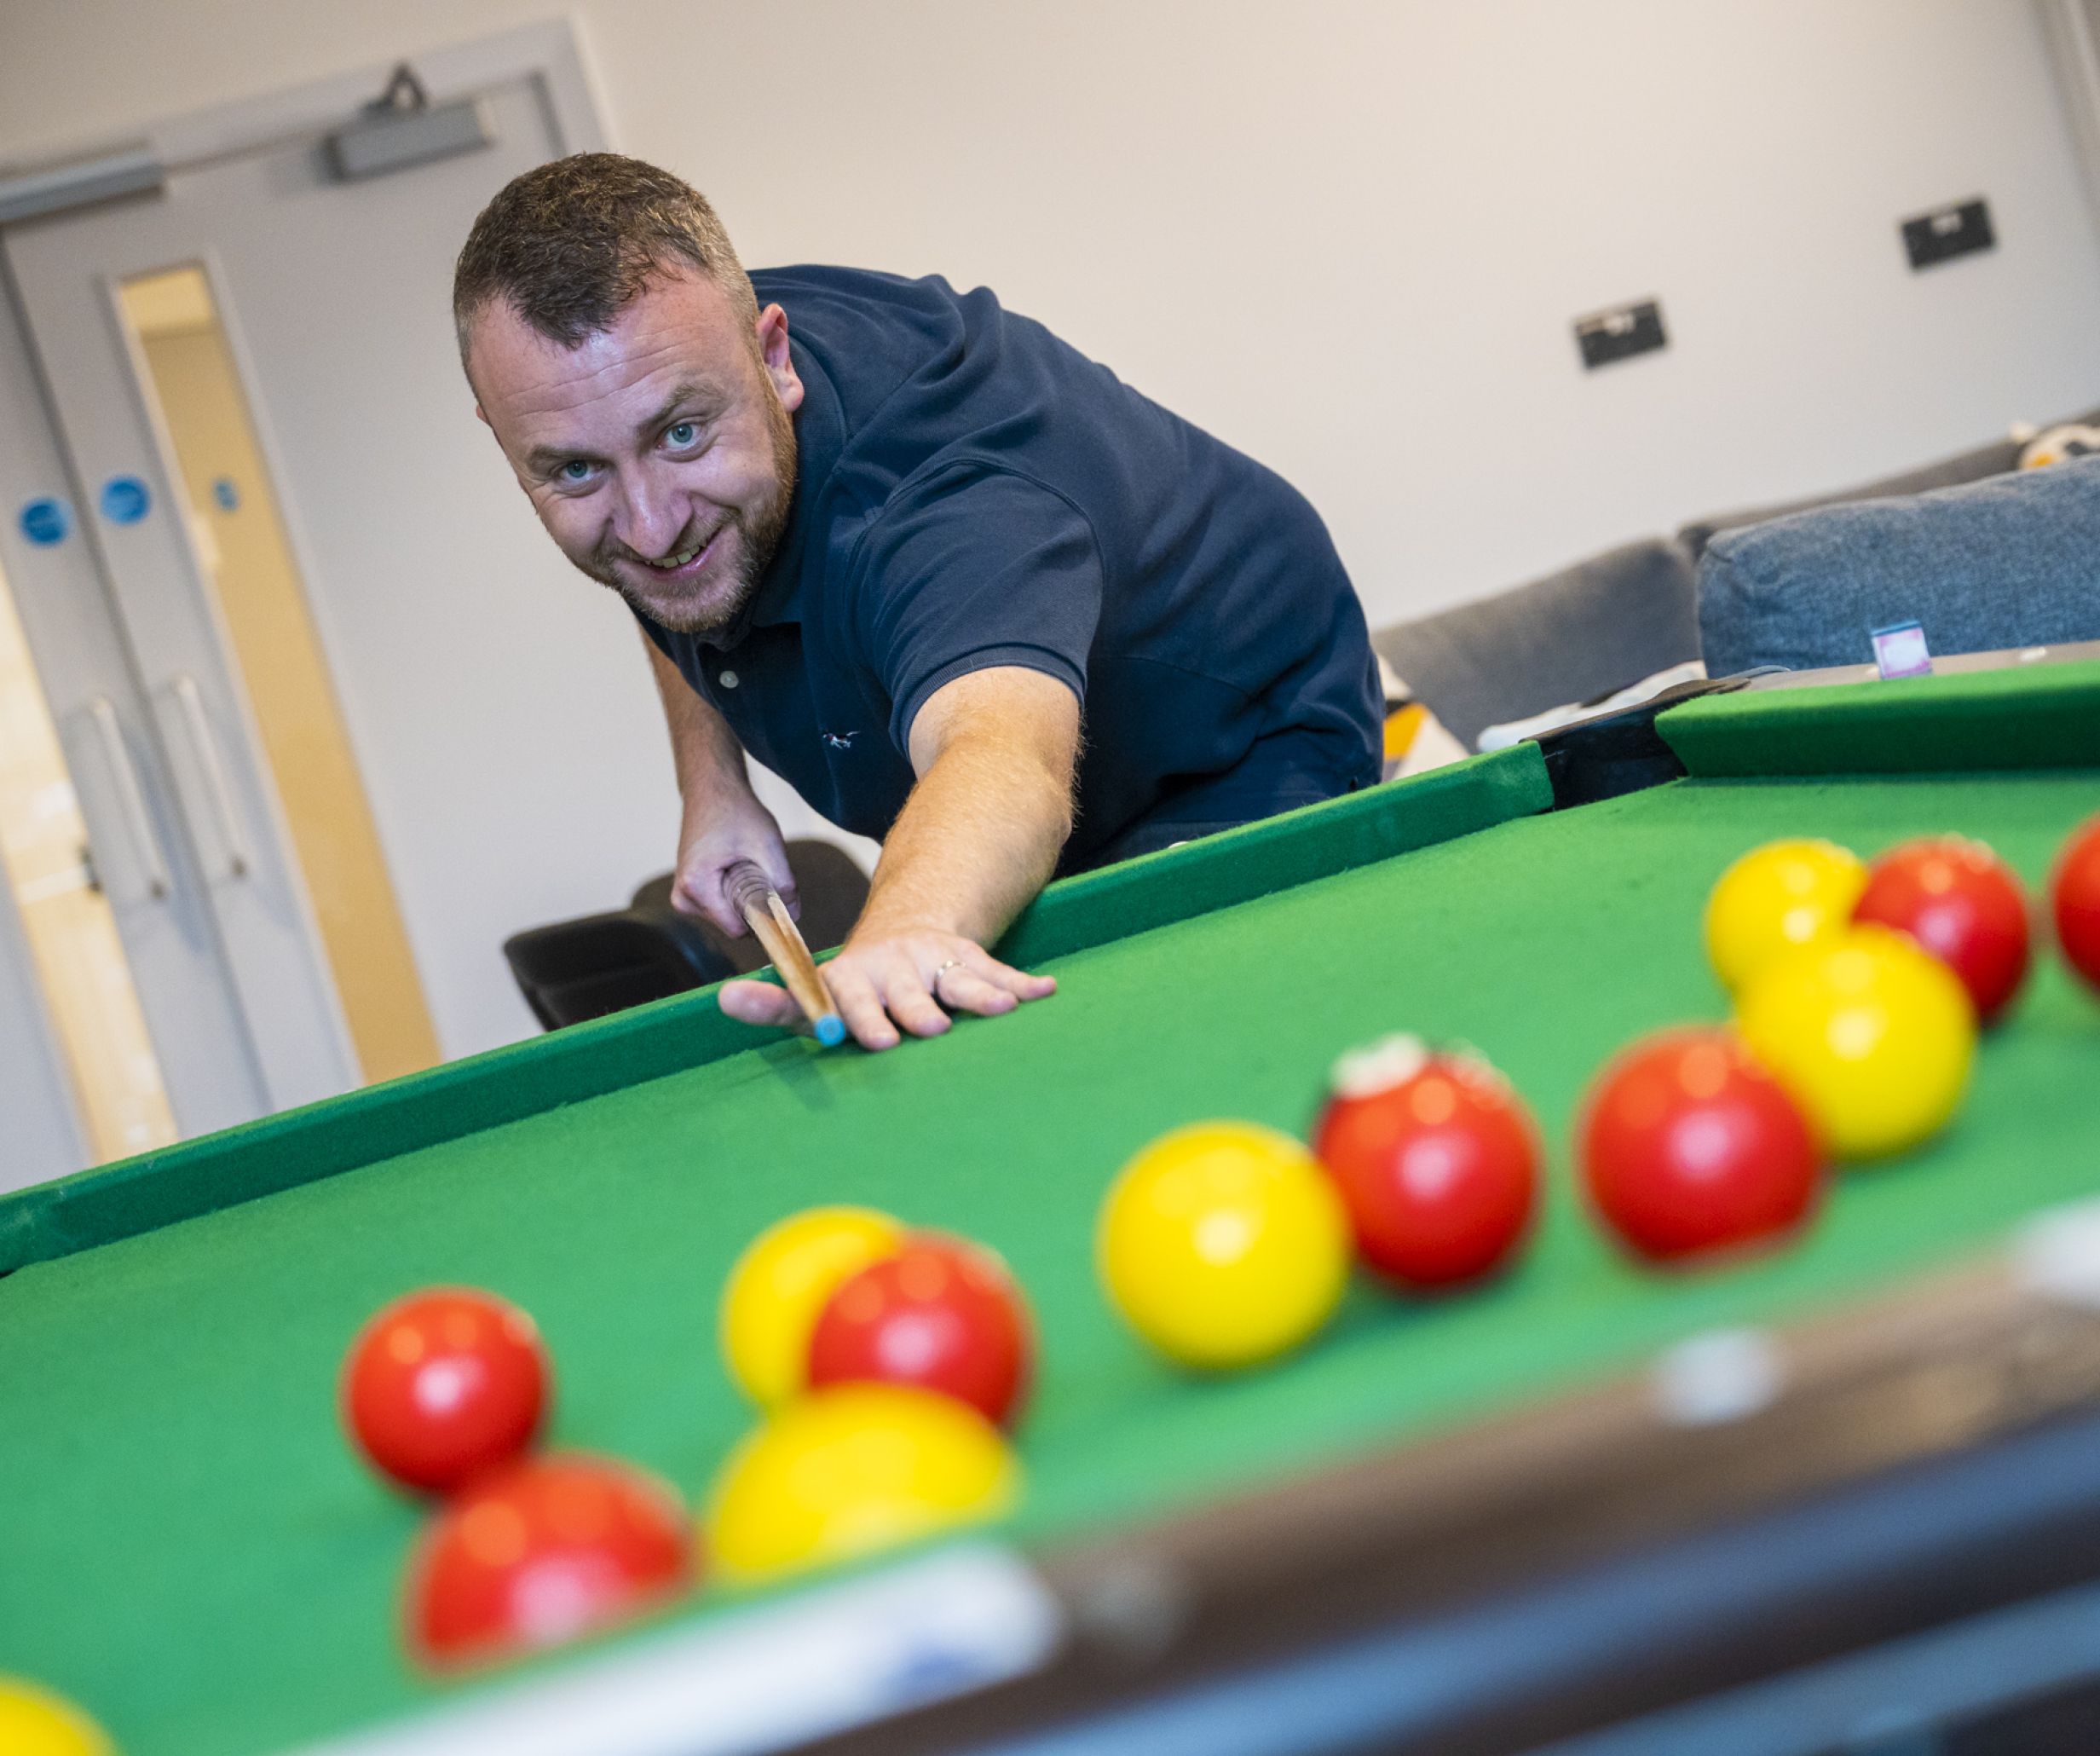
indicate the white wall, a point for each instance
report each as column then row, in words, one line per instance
column 1348, row 235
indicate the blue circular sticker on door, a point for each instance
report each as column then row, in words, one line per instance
column 125, row 500
column 46, row 521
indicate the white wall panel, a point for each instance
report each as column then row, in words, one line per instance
column 1349, row 235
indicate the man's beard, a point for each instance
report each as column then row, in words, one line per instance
column 724, row 596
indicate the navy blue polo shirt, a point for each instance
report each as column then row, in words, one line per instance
column 972, row 492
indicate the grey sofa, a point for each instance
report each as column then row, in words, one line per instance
column 1609, row 620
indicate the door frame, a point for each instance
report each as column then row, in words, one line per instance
column 550, row 53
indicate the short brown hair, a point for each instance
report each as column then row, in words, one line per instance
column 569, row 245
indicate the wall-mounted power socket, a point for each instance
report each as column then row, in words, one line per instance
column 1948, row 231
column 1620, row 333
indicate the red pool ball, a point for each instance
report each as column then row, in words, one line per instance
column 1436, row 1158
column 1687, row 1145
column 444, row 1385
column 941, row 1315
column 539, row 1553
column 2074, row 900
column 1961, row 903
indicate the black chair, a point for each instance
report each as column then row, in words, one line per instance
column 575, row 970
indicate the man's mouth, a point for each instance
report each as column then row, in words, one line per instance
column 682, row 563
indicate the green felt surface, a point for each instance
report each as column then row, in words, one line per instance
column 509, row 1085
column 2043, row 716
column 190, row 1550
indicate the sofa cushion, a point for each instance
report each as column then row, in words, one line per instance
column 1573, row 635
column 1985, row 460
column 1977, row 465
column 2011, row 561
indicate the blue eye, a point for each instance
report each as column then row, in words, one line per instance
column 681, row 434
column 575, row 469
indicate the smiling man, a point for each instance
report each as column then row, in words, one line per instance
column 905, row 547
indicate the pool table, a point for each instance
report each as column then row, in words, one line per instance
column 188, row 1548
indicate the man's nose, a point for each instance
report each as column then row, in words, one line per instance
column 654, row 518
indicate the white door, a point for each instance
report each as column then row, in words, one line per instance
column 119, row 1029
column 292, row 511
column 72, row 275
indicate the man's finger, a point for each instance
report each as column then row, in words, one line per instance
column 687, row 900
column 861, row 1007
column 1017, row 982
column 712, row 906
column 911, row 1006
column 963, row 989
column 760, row 1003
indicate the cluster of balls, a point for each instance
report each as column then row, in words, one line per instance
column 887, row 1362
column 889, row 1365
column 1226, row 1244
column 445, row 1393
column 1858, row 994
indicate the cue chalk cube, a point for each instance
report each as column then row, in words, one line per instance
column 1722, row 1375
column 2058, row 1254
column 1900, row 651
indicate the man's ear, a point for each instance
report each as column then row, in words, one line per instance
column 778, row 358
column 480, row 414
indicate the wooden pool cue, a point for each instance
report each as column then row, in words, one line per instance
column 767, row 916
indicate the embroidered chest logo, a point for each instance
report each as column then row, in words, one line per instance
column 840, row 740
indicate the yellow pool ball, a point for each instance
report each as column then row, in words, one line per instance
column 1776, row 897
column 1873, row 1036
column 35, row 1722
column 778, row 1287
column 851, row 1469
column 1223, row 1244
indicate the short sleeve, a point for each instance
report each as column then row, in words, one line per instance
column 971, row 568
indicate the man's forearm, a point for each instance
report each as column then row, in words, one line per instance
column 721, row 821
column 704, row 755
column 996, row 751
column 979, row 837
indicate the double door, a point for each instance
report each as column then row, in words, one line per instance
column 199, row 921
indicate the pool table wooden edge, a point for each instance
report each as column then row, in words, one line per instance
column 1949, row 1364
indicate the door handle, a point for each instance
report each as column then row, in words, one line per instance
column 130, row 798
column 205, row 748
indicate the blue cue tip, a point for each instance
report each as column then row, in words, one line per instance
column 831, row 1029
